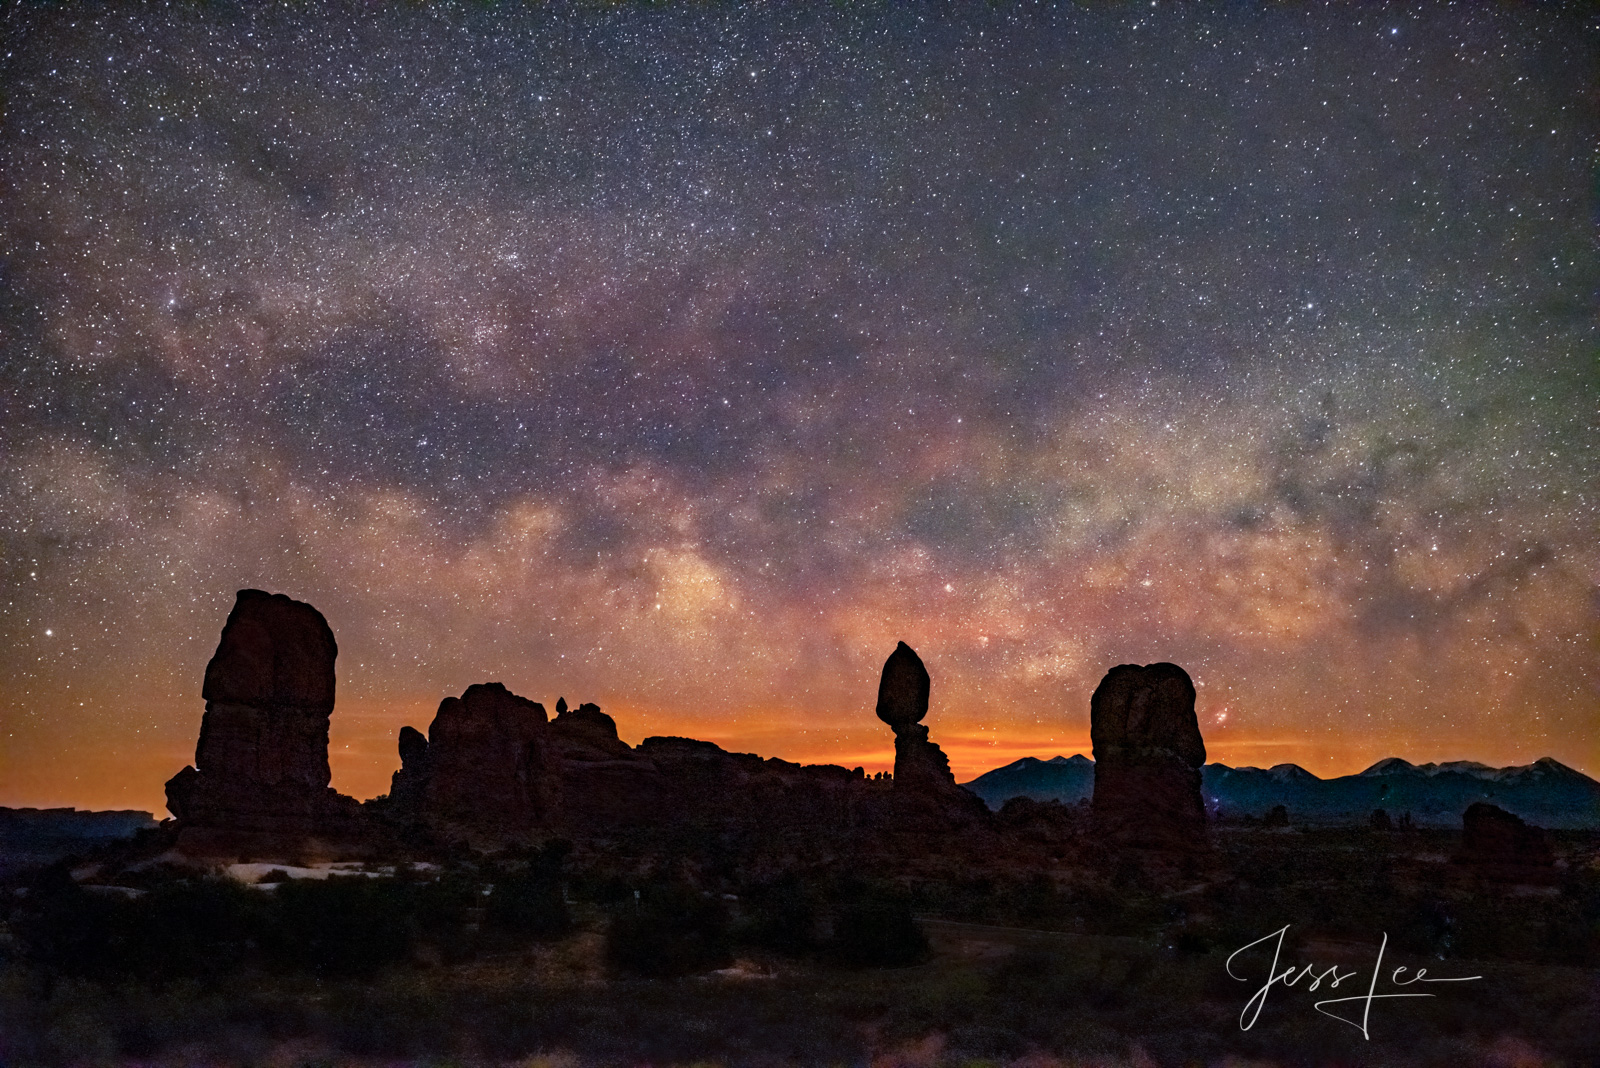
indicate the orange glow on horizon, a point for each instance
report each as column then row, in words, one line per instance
column 363, row 738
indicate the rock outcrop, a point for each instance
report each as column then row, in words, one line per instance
column 1147, row 753
column 1500, row 846
column 495, row 771
column 488, row 771
column 903, row 693
column 409, row 784
column 587, row 734
column 261, row 764
column 925, row 798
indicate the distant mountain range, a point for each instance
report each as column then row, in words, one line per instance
column 40, row 835
column 1546, row 792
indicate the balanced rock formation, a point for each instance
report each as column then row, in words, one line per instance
column 902, row 702
column 587, row 734
column 487, row 771
column 261, row 764
column 1147, row 758
column 1499, row 845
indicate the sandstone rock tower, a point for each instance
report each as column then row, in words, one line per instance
column 261, row 764
column 488, row 768
column 1148, row 752
column 902, row 702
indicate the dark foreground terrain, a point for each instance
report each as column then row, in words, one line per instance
column 544, row 955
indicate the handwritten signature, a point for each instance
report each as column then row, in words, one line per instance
column 1292, row 976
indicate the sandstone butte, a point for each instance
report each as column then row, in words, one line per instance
column 261, row 764
column 1147, row 758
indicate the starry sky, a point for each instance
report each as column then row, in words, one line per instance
column 684, row 358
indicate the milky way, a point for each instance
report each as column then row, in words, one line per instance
column 685, row 360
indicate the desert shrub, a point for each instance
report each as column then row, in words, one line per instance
column 439, row 907
column 62, row 927
column 341, row 926
column 1117, row 911
column 181, row 928
column 529, row 904
column 601, row 887
column 668, row 930
column 189, row 928
column 873, row 928
column 781, row 916
column 1036, row 901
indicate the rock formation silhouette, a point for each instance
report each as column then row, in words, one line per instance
column 1147, row 753
column 1500, row 846
column 924, row 798
column 903, row 693
column 407, row 786
column 261, row 764
column 494, row 771
column 587, row 734
column 487, row 771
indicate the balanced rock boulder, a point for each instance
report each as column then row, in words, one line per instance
column 587, row 734
column 261, row 764
column 1147, row 758
column 1499, row 845
column 903, row 691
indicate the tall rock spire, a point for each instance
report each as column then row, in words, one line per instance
column 902, row 702
column 261, row 764
column 1147, row 757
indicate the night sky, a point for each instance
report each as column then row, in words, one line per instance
column 684, row 360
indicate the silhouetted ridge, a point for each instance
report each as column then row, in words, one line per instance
column 1546, row 791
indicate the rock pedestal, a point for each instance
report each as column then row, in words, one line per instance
column 1147, row 758
column 925, row 798
column 261, row 764
column 902, row 702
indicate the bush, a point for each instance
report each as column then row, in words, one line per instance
column 180, row 929
column 196, row 928
column 341, row 926
column 63, row 928
column 183, row 926
column 668, row 931
column 781, row 916
column 528, row 902
column 874, row 928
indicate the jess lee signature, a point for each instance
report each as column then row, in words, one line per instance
column 1291, row 976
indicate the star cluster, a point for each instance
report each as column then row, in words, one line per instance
column 684, row 359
